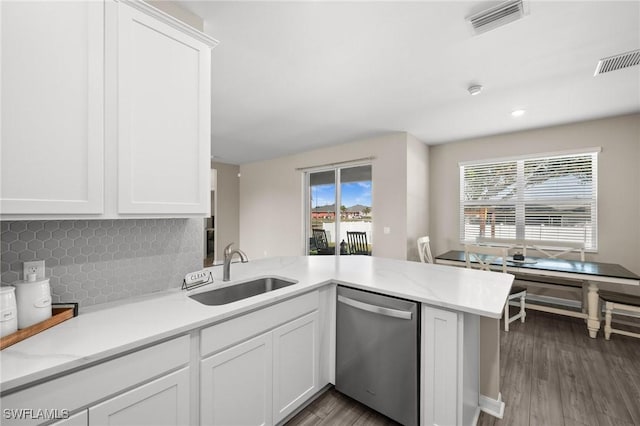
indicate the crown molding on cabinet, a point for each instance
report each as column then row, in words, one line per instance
column 173, row 22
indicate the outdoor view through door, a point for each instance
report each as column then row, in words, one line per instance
column 346, row 229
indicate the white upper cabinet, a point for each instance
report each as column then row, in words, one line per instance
column 52, row 108
column 164, row 126
column 105, row 112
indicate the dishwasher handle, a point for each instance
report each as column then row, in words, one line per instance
column 389, row 312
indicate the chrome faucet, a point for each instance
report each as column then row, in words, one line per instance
column 228, row 255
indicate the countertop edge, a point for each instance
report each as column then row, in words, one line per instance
column 397, row 270
column 14, row 385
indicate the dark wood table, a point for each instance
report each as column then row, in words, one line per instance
column 588, row 274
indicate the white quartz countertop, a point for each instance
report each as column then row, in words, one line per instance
column 108, row 330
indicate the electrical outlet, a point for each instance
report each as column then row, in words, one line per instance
column 35, row 267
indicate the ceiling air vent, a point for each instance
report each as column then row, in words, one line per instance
column 618, row 62
column 497, row 16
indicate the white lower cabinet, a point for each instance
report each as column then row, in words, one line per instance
column 78, row 419
column 262, row 380
column 164, row 401
column 235, row 385
column 149, row 386
column 450, row 384
column 295, row 364
column 255, row 369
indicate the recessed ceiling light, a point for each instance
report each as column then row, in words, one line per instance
column 518, row 112
column 475, row 89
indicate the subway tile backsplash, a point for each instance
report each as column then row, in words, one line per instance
column 97, row 261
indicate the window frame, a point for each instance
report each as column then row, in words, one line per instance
column 337, row 169
column 519, row 202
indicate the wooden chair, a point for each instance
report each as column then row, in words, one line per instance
column 481, row 257
column 357, row 243
column 424, row 250
column 622, row 304
column 552, row 250
column 321, row 242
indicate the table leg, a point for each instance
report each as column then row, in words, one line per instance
column 585, row 301
column 593, row 322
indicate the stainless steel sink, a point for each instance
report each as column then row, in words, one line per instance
column 233, row 293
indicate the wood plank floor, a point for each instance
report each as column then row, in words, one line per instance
column 334, row 408
column 552, row 374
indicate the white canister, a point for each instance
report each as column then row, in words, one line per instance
column 8, row 311
column 34, row 301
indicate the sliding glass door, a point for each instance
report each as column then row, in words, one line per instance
column 321, row 217
column 339, row 214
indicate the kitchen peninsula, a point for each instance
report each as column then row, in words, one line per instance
column 177, row 354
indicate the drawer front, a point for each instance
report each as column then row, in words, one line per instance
column 103, row 380
column 225, row 334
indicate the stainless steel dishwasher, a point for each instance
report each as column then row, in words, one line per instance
column 377, row 352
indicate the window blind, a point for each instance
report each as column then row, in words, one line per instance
column 549, row 198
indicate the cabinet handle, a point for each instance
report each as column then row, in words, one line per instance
column 389, row 312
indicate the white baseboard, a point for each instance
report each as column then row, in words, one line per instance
column 493, row 407
column 476, row 416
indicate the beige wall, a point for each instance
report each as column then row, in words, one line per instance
column 417, row 194
column 618, row 199
column 271, row 197
column 178, row 12
column 618, row 180
column 228, row 206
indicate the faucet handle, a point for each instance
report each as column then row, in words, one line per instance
column 227, row 250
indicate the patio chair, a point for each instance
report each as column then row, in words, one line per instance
column 357, row 243
column 321, row 242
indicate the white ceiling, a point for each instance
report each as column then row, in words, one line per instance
column 293, row 76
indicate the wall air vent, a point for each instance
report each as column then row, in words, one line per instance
column 498, row 16
column 618, row 62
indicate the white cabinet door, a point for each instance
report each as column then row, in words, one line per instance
column 163, row 118
column 164, row 401
column 295, row 364
column 78, row 419
column 236, row 385
column 440, row 398
column 52, row 108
